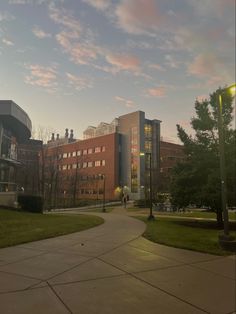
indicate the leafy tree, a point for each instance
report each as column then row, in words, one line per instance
column 197, row 179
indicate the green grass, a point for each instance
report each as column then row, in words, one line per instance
column 201, row 236
column 99, row 209
column 21, row 227
column 193, row 214
column 206, row 215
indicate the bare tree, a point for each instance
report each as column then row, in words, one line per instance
column 42, row 133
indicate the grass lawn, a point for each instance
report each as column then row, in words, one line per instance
column 197, row 214
column 193, row 214
column 99, row 209
column 21, row 227
column 193, row 235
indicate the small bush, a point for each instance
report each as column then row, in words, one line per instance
column 31, row 203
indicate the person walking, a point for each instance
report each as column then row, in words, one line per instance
column 124, row 201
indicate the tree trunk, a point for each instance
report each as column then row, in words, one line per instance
column 219, row 218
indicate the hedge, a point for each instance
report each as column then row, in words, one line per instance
column 31, row 203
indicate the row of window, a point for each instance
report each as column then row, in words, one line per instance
column 91, row 191
column 88, row 164
column 83, row 152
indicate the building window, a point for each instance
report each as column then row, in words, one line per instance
column 78, row 165
column 103, row 162
column 90, row 164
column 78, row 152
column 74, row 166
column 74, row 154
column 134, row 149
column 97, row 149
column 69, row 154
column 84, row 164
column 134, row 159
column 148, row 146
column 65, row 155
column 85, row 152
column 90, row 151
column 69, row 167
column 64, row 167
column 148, row 130
column 97, row 163
column 103, row 148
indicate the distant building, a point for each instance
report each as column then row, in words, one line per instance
column 77, row 170
column 112, row 159
column 109, row 152
column 170, row 155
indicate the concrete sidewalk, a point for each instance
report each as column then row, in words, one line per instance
column 112, row 269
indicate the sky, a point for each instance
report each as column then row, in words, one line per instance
column 74, row 63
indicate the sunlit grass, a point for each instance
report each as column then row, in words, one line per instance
column 22, row 227
column 193, row 235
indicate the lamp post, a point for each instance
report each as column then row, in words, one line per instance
column 104, row 196
column 231, row 89
column 150, row 217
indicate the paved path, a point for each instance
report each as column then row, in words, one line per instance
column 111, row 269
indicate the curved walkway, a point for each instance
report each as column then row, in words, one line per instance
column 112, row 269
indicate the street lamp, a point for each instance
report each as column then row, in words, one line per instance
column 104, row 197
column 230, row 89
column 150, row 217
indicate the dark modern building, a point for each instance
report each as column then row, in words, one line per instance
column 15, row 128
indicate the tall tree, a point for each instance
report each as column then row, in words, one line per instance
column 197, row 179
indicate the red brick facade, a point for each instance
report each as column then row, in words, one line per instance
column 170, row 155
column 77, row 170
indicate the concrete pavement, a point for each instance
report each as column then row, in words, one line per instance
column 112, row 269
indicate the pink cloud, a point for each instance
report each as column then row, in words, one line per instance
column 138, row 16
column 204, row 65
column 81, row 50
column 65, row 18
column 82, row 53
column 79, row 83
column 171, row 62
column 124, row 62
column 5, row 16
column 7, row 42
column 127, row 102
column 41, row 76
column 40, row 33
column 157, row 67
column 157, row 91
column 98, row 4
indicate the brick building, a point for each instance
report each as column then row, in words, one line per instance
column 170, row 155
column 80, row 169
column 75, row 169
column 113, row 158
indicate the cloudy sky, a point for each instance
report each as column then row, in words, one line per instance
column 74, row 63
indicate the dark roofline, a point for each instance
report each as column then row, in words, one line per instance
column 15, row 119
